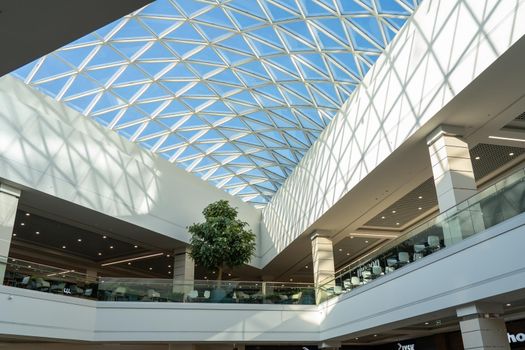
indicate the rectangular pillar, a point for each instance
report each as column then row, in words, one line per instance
column 482, row 328
column 8, row 206
column 323, row 263
column 454, row 181
column 183, row 271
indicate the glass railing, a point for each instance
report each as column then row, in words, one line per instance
column 45, row 278
column 495, row 204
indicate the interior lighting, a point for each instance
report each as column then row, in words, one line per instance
column 351, row 237
column 397, row 223
column 79, row 240
column 340, row 249
column 375, row 335
column 382, row 217
column 129, row 263
column 37, row 232
column 393, row 211
column 130, row 259
column 419, row 208
column 291, row 279
column 347, row 254
column 14, row 234
column 22, row 224
column 111, row 247
column 151, row 268
column 99, row 253
column 306, row 266
column 420, row 197
column 511, row 154
column 135, row 246
column 167, row 256
column 63, row 247
column 366, row 241
column 426, row 323
column 477, row 158
column 104, row 237
column 169, row 265
column 229, row 275
column 506, row 138
column 508, row 304
column 27, row 214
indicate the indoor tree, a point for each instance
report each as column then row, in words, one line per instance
column 222, row 239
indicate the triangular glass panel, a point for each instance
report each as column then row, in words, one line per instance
column 158, row 25
column 207, row 55
column 180, row 71
column 236, row 42
column 186, row 31
column 161, row 8
column 129, row 48
column 53, row 87
column 175, row 108
column 51, row 67
column 75, row 56
column 278, row 13
column 130, row 74
column 80, row 104
column 157, row 51
column 245, row 20
column 217, row 17
column 102, row 75
column 128, row 131
column 106, row 118
column 81, row 85
column 132, row 30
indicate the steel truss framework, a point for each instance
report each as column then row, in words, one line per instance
column 233, row 91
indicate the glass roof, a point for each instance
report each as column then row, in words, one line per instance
column 233, row 91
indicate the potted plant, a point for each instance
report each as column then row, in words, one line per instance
column 222, row 240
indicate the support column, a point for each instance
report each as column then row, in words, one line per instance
column 454, row 181
column 482, row 327
column 183, row 271
column 323, row 263
column 8, row 206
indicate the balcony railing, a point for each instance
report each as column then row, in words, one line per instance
column 45, row 278
column 495, row 204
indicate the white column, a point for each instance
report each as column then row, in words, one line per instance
column 482, row 327
column 183, row 271
column 323, row 262
column 454, row 181
column 8, row 206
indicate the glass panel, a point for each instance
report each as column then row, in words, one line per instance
column 489, row 207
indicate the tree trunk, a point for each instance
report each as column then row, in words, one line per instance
column 219, row 276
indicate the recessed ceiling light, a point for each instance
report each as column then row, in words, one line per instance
column 167, row 255
column 129, row 263
column 375, row 335
column 419, row 208
column 37, row 232
column 397, row 223
column 27, row 214
column 99, row 253
column 28, row 266
column 22, row 224
column 340, row 249
column 393, row 211
column 282, row 285
column 169, row 272
column 420, row 197
column 291, row 279
column 348, row 254
column 477, row 158
column 306, row 266
column 205, row 277
column 104, row 237
column 63, row 247
column 213, row 272
column 382, row 217
column 351, row 237
column 135, row 246
column 366, row 241
column 511, row 154
column 508, row 304
column 229, row 275
column 169, row 265
column 79, row 240
column 111, row 247
column 151, row 268
column 356, row 338
column 14, row 234
column 426, row 323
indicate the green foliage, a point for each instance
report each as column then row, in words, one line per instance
column 222, row 240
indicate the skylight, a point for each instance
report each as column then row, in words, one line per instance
column 233, row 91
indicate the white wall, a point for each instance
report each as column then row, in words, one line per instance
column 442, row 49
column 49, row 147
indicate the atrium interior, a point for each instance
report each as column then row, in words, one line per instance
column 375, row 148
